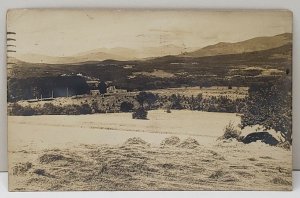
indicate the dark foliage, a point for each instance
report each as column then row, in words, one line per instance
column 19, row 110
column 146, row 97
column 50, row 109
column 102, row 87
column 265, row 137
column 85, row 109
column 198, row 103
column 176, row 101
column 140, row 113
column 270, row 105
column 37, row 87
column 126, row 106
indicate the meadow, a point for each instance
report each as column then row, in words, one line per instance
column 115, row 152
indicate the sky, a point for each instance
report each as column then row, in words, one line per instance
column 69, row 32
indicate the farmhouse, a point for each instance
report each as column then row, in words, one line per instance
column 93, row 84
column 113, row 89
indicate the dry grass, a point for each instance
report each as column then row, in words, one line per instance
column 136, row 165
column 176, row 151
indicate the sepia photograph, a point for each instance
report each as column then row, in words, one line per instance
column 146, row 100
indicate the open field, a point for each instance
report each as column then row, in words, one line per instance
column 99, row 152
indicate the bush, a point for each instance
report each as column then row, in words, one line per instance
column 168, row 110
column 71, row 110
column 176, row 101
column 50, row 109
column 18, row 110
column 126, row 107
column 85, row 109
column 140, row 113
column 230, row 131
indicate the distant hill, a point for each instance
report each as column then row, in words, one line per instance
column 119, row 53
column 133, row 54
column 242, row 69
column 275, row 58
column 251, row 45
column 95, row 56
column 127, row 54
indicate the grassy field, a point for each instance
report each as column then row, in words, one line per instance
column 115, row 152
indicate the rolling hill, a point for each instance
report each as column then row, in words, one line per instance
column 251, row 45
column 240, row 69
column 101, row 54
column 127, row 54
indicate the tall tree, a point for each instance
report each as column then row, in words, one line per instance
column 102, row 87
column 271, row 107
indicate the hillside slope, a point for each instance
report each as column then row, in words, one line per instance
column 251, row 45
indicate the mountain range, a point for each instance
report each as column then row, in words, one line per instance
column 126, row 54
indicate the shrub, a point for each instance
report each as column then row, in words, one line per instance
column 176, row 101
column 71, row 110
column 140, row 113
column 168, row 110
column 19, row 110
column 85, row 109
column 126, row 107
column 230, row 131
column 50, row 109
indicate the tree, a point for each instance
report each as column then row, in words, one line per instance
column 141, row 97
column 140, row 113
column 271, row 107
column 126, row 106
column 176, row 102
column 147, row 97
column 150, row 99
column 102, row 87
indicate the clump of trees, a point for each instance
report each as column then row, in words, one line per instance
column 146, row 101
column 50, row 109
column 48, row 86
column 19, row 110
column 270, row 106
column 199, row 103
